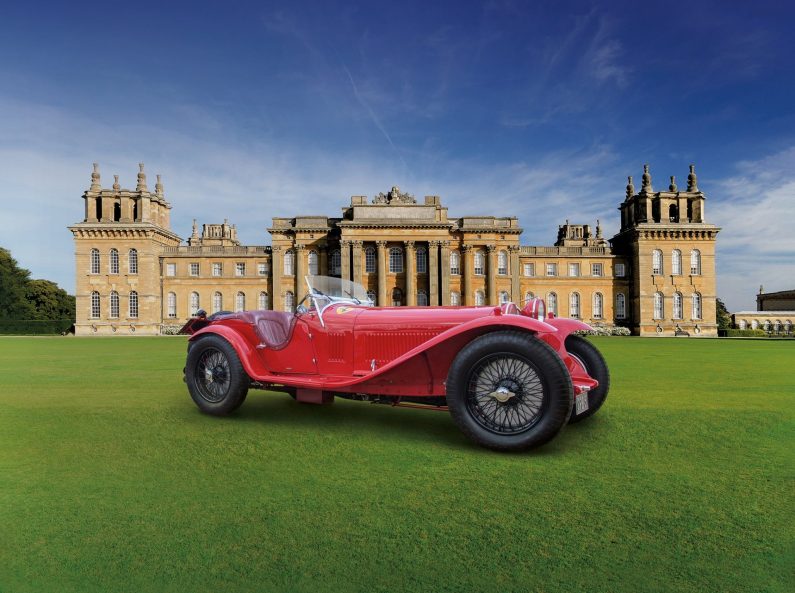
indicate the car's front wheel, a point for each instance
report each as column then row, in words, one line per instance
column 216, row 379
column 509, row 391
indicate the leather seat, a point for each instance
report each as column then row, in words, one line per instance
column 274, row 328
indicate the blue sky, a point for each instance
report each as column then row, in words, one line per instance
column 252, row 110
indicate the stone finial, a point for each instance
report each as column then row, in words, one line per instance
column 630, row 187
column 598, row 229
column 116, row 186
column 95, row 184
column 645, row 186
column 195, row 229
column 673, row 187
column 141, row 179
column 159, row 186
column 761, row 289
column 692, row 180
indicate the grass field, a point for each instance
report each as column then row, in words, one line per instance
column 111, row 480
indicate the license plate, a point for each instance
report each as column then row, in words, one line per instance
column 581, row 403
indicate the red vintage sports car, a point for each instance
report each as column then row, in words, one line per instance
column 510, row 378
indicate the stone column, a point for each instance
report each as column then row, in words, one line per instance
column 382, row 302
column 357, row 262
column 411, row 273
column 276, row 279
column 323, row 260
column 491, row 274
column 445, row 264
column 468, row 297
column 433, row 272
column 300, row 272
column 515, row 273
column 345, row 254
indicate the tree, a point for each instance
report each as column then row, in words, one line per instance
column 50, row 301
column 722, row 317
column 13, row 287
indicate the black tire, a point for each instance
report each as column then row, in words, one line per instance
column 594, row 363
column 525, row 371
column 216, row 379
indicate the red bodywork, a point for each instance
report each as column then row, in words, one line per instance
column 389, row 351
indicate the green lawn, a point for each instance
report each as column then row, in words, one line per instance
column 111, row 480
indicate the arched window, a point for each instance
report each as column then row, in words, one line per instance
column 422, row 261
column 480, row 262
column 504, row 297
column 598, row 305
column 194, row 303
column 552, row 303
column 621, row 306
column 171, row 305
column 696, row 305
column 314, row 263
column 132, row 261
column 695, row 262
column 743, row 324
column 369, row 260
column 372, row 297
column 114, row 304
column 422, row 298
column 455, row 263
column 218, row 302
column 113, row 261
column 659, row 309
column 656, row 262
column 395, row 260
column 289, row 301
column 574, row 304
column 677, row 305
column 95, row 261
column 289, row 262
column 502, row 262
column 480, row 298
column 133, row 308
column 336, row 263
column 754, row 324
column 95, row 307
column 240, row 301
column 528, row 296
column 673, row 213
column 676, row 262
column 455, row 298
column 263, row 302
column 397, row 297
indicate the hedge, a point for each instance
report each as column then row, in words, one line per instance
column 743, row 333
column 35, row 326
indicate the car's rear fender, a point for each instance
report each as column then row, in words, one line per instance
column 246, row 350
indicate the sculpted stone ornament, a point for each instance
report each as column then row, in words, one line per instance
column 673, row 187
column 116, row 186
column 692, row 180
column 630, row 188
column 141, row 178
column 394, row 196
column 646, row 181
column 95, row 184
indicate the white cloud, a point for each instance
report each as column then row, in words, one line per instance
column 757, row 244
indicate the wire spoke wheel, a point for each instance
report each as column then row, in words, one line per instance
column 212, row 375
column 505, row 394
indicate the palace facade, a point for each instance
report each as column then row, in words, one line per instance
column 656, row 276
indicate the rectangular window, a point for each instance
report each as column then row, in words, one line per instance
column 620, row 271
column 574, row 270
column 552, row 269
column 529, row 270
column 218, row 269
column 194, row 269
column 262, row 270
column 240, row 269
column 171, row 269
column 596, row 269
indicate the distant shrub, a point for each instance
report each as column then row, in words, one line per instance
column 744, row 333
column 35, row 326
column 169, row 329
column 601, row 330
column 620, row 331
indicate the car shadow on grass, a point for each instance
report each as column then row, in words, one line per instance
column 414, row 426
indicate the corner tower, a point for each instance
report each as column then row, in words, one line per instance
column 671, row 248
column 117, row 257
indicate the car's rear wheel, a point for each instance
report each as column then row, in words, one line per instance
column 216, row 379
column 589, row 357
column 509, row 391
